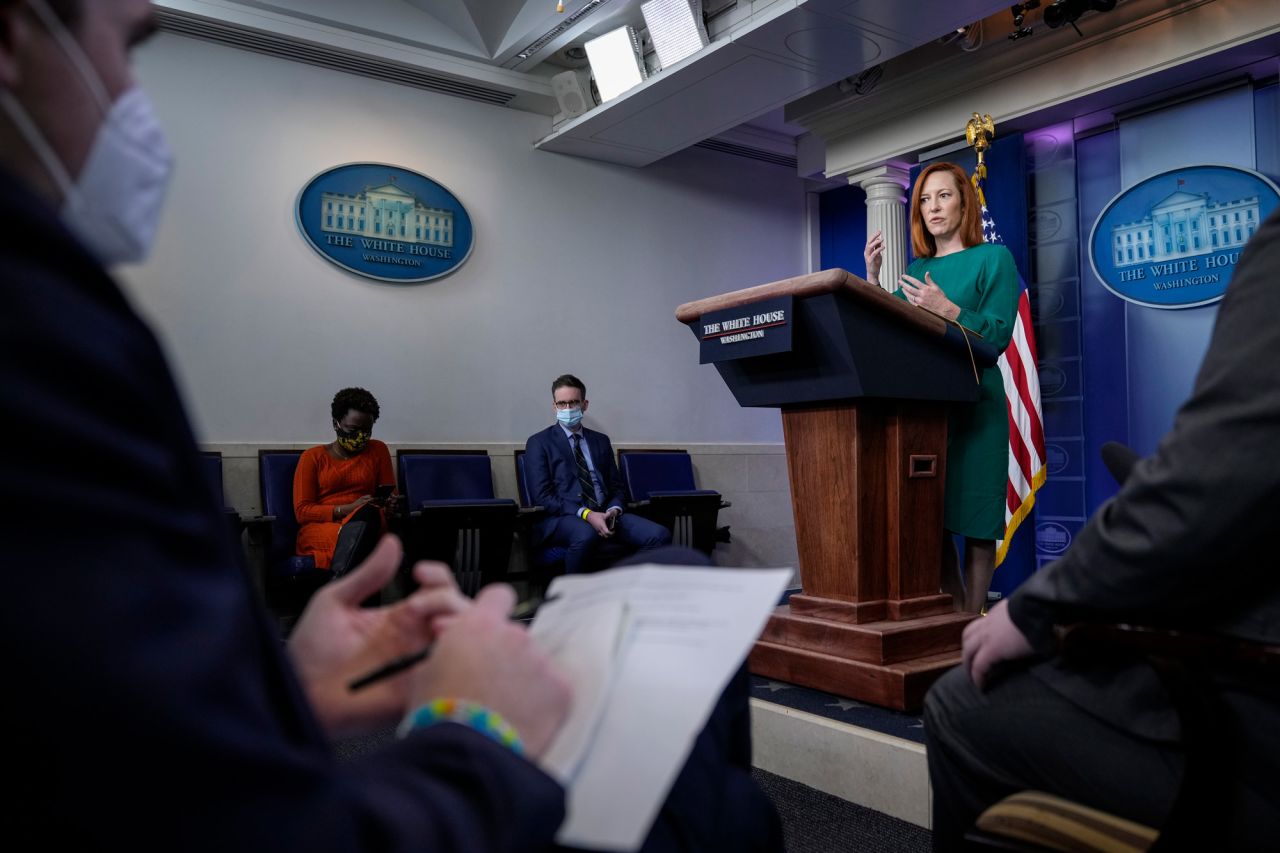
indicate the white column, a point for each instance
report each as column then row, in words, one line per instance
column 886, row 189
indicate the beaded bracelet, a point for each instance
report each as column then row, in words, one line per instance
column 486, row 722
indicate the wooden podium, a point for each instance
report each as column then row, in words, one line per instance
column 863, row 390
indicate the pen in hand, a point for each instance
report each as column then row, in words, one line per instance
column 400, row 664
column 390, row 668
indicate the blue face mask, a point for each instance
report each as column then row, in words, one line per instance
column 569, row 417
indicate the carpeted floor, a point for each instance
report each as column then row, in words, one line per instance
column 816, row 822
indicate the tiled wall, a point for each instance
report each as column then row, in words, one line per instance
column 751, row 476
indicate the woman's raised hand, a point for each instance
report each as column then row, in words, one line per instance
column 873, row 254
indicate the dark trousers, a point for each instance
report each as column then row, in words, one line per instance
column 630, row 532
column 1023, row 735
column 357, row 539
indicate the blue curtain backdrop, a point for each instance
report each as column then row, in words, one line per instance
column 1106, row 417
column 842, row 217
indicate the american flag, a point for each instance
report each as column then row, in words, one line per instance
column 1022, row 394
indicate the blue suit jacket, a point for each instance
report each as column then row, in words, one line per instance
column 552, row 472
column 140, row 642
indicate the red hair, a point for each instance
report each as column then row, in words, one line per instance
column 922, row 243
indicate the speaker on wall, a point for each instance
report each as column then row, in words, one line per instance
column 573, row 93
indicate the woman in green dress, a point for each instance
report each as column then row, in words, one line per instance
column 958, row 276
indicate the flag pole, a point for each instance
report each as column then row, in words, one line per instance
column 1018, row 369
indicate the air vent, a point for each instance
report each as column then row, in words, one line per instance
column 546, row 38
column 747, row 151
column 324, row 56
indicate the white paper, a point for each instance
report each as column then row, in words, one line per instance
column 585, row 648
column 683, row 633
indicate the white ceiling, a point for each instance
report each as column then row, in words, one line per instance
column 763, row 55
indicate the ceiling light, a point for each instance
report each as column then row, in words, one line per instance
column 676, row 28
column 559, row 29
column 616, row 62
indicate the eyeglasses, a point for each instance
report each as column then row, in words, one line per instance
column 568, row 404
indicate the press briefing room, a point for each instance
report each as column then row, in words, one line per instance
column 807, row 425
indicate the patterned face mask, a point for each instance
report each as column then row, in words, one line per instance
column 352, row 441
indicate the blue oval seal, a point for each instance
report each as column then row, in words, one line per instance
column 385, row 222
column 1174, row 239
column 1057, row 458
column 1052, row 380
column 1052, row 538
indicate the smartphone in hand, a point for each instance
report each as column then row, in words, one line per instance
column 381, row 493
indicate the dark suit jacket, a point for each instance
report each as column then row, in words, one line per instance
column 1189, row 541
column 552, row 471
column 150, row 703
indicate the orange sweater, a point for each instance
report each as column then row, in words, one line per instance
column 322, row 482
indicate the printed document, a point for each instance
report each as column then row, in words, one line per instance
column 648, row 650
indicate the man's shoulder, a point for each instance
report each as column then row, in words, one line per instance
column 591, row 433
column 541, row 435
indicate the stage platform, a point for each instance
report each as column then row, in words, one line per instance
column 863, row 754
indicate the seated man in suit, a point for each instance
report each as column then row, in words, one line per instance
column 572, row 473
column 1179, row 547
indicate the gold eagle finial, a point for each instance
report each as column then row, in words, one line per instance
column 978, row 132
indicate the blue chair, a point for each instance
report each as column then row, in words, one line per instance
column 660, row 487
column 211, row 462
column 459, row 521
column 289, row 579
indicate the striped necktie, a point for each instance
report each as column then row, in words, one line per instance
column 584, row 476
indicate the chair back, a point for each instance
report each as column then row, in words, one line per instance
column 211, row 465
column 460, row 521
column 446, row 476
column 660, row 487
column 522, row 485
column 275, row 481
column 646, row 472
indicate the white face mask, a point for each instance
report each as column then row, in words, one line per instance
column 114, row 207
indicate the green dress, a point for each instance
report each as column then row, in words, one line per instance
column 983, row 281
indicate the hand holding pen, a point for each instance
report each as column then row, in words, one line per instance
column 485, row 658
column 400, row 664
column 337, row 639
column 476, row 653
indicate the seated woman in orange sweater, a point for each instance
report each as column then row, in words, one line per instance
column 334, row 487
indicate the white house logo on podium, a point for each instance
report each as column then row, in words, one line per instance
column 385, row 222
column 1174, row 239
